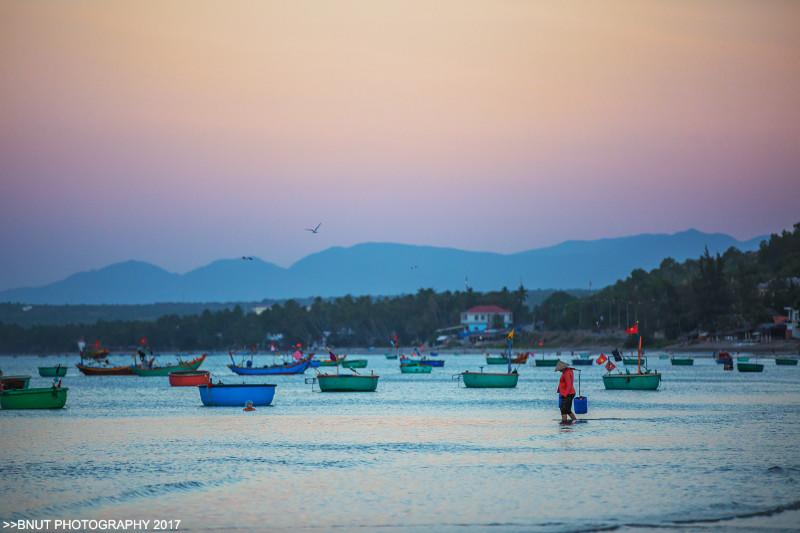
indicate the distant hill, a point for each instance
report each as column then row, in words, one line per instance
column 379, row 269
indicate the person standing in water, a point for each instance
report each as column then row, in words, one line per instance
column 566, row 390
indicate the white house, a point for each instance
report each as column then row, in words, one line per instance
column 482, row 317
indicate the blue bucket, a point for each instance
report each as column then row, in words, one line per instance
column 580, row 405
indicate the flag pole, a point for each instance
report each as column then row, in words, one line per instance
column 639, row 358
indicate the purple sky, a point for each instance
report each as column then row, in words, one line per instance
column 182, row 132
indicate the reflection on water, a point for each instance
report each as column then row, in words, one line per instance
column 421, row 453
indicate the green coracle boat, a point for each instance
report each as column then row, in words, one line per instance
column 415, row 368
column 38, row 398
column 194, row 364
column 546, row 362
column 354, row 363
column 645, row 381
column 490, row 380
column 391, row 356
column 749, row 367
column 328, row 362
column 785, row 361
column 742, row 359
column 14, row 382
column 58, row 371
column 633, row 361
column 682, row 361
column 347, row 383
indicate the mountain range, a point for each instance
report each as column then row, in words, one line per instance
column 379, row 269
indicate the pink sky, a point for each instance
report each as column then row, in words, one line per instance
column 180, row 132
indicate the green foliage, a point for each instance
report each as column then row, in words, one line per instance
column 349, row 320
column 715, row 294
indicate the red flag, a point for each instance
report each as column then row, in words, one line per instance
column 602, row 359
column 610, row 366
column 143, row 341
column 633, row 330
column 541, row 343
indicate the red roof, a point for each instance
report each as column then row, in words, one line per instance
column 487, row 309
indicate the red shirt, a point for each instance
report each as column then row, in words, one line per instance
column 565, row 384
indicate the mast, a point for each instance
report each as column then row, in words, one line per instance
column 639, row 358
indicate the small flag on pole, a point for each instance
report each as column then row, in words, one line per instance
column 610, row 366
column 602, row 359
column 633, row 330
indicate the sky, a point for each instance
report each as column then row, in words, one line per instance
column 180, row 132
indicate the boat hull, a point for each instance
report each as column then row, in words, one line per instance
column 749, row 367
column 682, row 361
column 432, row 362
column 785, row 361
column 53, row 371
column 500, row 360
column 582, row 362
column 415, row 369
column 354, row 363
column 223, row 395
column 546, row 362
column 276, row 370
column 632, row 381
column 15, row 382
column 489, row 380
column 194, row 364
column 633, row 361
column 189, row 378
column 346, row 383
column 391, row 356
column 327, row 363
column 38, row 398
column 105, row 371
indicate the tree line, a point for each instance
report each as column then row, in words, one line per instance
column 716, row 294
column 345, row 321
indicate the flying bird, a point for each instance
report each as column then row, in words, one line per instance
column 247, row 258
column 414, row 267
column 315, row 230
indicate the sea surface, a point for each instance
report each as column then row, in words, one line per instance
column 710, row 450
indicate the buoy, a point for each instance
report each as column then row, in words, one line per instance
column 249, row 406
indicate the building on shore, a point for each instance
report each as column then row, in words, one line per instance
column 486, row 317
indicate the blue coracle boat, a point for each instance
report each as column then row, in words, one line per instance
column 293, row 367
column 223, row 395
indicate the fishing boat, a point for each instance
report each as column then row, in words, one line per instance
column 290, row 367
column 95, row 370
column 236, row 395
column 633, row 361
column 339, row 359
column 785, row 361
column 189, row 378
column 682, row 361
column 749, row 367
column 58, row 371
column 647, row 380
column 545, row 361
column 354, row 363
column 14, row 382
column 152, row 371
column 431, row 362
column 490, row 380
column 347, row 382
column 582, row 360
column 742, row 359
column 36, row 398
column 415, row 368
column 96, row 352
column 391, row 356
column 519, row 359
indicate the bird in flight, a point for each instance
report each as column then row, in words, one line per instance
column 247, row 258
column 315, row 230
column 414, row 267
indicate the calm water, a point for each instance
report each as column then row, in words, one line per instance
column 710, row 450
